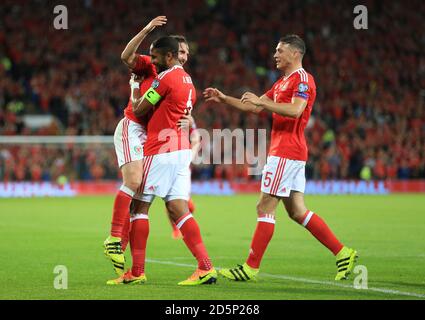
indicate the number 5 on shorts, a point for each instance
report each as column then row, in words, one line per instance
column 267, row 179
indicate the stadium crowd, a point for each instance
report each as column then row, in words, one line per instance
column 368, row 120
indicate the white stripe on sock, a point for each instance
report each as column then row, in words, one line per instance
column 126, row 190
column 307, row 219
column 180, row 224
column 265, row 219
column 139, row 216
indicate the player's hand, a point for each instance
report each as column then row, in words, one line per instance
column 157, row 22
column 249, row 97
column 135, row 78
column 213, row 94
column 131, row 82
column 135, row 81
column 185, row 122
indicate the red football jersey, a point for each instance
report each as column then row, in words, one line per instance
column 287, row 137
column 177, row 96
column 147, row 70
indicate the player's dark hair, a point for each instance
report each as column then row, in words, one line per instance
column 294, row 41
column 179, row 38
column 165, row 45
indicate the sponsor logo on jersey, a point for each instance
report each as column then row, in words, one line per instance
column 283, row 87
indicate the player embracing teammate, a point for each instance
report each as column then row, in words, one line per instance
column 167, row 150
column 163, row 99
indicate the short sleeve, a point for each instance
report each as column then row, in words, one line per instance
column 270, row 93
column 159, row 88
column 142, row 65
column 161, row 85
column 301, row 89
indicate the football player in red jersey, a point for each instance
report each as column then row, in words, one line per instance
column 188, row 120
column 290, row 100
column 167, row 152
column 130, row 137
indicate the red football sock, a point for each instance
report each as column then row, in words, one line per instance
column 121, row 209
column 138, row 238
column 125, row 234
column 193, row 240
column 320, row 230
column 262, row 236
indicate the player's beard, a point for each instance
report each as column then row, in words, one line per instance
column 161, row 66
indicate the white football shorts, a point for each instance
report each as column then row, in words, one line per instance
column 166, row 175
column 129, row 138
column 281, row 175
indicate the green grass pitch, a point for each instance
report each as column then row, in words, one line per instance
column 387, row 231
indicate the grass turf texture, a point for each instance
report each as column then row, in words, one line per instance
column 387, row 231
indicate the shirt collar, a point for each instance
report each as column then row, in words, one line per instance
column 287, row 77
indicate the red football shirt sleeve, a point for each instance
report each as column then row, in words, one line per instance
column 301, row 88
column 159, row 88
column 162, row 85
column 270, row 93
column 142, row 65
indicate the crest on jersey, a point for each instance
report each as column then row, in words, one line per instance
column 283, row 87
column 302, row 87
column 155, row 84
column 138, row 149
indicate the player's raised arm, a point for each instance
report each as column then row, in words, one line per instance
column 128, row 56
column 213, row 94
column 292, row 110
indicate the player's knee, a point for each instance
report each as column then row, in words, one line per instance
column 137, row 207
column 262, row 210
column 258, row 208
column 296, row 214
column 132, row 178
column 292, row 214
column 132, row 185
column 172, row 211
column 133, row 182
column 267, row 204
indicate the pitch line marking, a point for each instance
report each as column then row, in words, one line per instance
column 296, row 279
